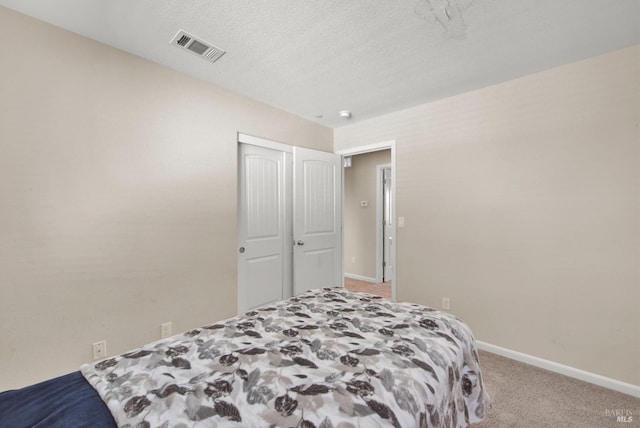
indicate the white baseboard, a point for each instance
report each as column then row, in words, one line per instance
column 596, row 379
column 360, row 278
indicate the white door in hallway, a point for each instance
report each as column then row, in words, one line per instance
column 387, row 225
column 317, row 219
column 264, row 226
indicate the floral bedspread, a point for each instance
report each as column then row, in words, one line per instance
column 326, row 358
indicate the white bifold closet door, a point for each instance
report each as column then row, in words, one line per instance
column 289, row 222
column 264, row 230
column 317, row 220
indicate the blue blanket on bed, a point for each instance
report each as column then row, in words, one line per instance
column 66, row 402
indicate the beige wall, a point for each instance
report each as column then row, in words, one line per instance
column 117, row 197
column 522, row 206
column 118, row 188
column 360, row 222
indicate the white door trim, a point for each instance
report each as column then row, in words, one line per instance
column 391, row 144
column 261, row 142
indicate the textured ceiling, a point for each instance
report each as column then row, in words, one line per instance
column 371, row 57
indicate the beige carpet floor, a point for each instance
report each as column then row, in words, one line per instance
column 529, row 397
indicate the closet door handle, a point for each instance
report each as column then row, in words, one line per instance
column 241, row 249
column 299, row 242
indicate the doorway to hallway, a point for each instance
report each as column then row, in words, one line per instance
column 367, row 222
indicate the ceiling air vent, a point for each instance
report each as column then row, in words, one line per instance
column 197, row 46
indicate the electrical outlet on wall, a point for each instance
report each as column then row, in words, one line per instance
column 165, row 330
column 445, row 303
column 100, row 350
column 353, row 259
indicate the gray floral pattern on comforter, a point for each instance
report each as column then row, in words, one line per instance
column 326, row 358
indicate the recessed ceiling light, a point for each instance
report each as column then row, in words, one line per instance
column 346, row 114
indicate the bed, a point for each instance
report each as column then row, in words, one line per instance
column 326, row 358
